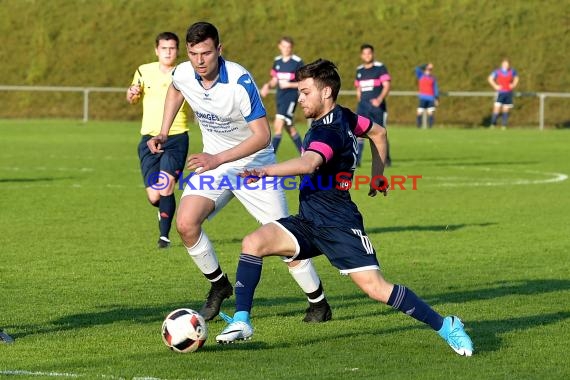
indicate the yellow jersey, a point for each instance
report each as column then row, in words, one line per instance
column 154, row 84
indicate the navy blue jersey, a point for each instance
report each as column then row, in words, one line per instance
column 284, row 71
column 323, row 199
column 370, row 81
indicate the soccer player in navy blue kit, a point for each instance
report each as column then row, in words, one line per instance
column 329, row 222
column 283, row 77
column 428, row 93
column 503, row 80
column 372, row 88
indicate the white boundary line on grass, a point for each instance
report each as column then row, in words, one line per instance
column 67, row 374
column 31, row 373
column 554, row 178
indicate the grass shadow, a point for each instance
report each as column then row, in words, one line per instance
column 486, row 333
column 563, row 125
column 433, row 228
column 488, row 163
column 34, row 179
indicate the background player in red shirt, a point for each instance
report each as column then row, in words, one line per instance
column 428, row 93
column 504, row 80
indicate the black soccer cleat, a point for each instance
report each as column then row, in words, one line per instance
column 219, row 291
column 163, row 243
column 318, row 312
column 5, row 338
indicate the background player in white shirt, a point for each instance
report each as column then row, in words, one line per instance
column 235, row 133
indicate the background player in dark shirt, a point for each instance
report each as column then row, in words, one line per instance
column 372, row 88
column 283, row 77
column 329, row 222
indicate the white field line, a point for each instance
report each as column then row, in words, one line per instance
column 18, row 372
column 31, row 373
column 44, row 169
column 552, row 178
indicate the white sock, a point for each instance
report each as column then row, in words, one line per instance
column 204, row 256
column 308, row 279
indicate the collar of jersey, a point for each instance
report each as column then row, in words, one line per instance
column 223, row 78
column 321, row 121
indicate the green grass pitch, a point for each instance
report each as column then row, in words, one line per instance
column 485, row 236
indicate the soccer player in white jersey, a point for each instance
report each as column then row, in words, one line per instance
column 235, row 134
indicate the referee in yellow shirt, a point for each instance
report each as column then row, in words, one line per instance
column 160, row 171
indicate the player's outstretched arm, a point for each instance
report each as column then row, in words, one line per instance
column 378, row 137
column 172, row 103
column 419, row 70
column 306, row 164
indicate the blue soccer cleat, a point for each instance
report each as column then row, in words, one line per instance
column 454, row 334
column 238, row 328
column 5, row 338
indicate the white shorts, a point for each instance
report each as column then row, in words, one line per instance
column 264, row 200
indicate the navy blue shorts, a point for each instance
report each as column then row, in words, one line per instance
column 376, row 114
column 426, row 104
column 286, row 104
column 504, row 99
column 348, row 249
column 171, row 161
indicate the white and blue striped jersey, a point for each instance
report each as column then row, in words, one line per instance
column 224, row 111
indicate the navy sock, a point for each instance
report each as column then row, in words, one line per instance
column 419, row 120
column 505, row 118
column 298, row 142
column 275, row 142
column 494, row 119
column 360, row 151
column 408, row 302
column 430, row 121
column 167, row 207
column 247, row 278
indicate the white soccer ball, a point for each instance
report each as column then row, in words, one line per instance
column 184, row 330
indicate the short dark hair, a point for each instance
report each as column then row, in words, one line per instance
column 323, row 72
column 367, row 46
column 287, row 39
column 200, row 32
column 167, row 36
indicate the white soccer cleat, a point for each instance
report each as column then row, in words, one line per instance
column 235, row 331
